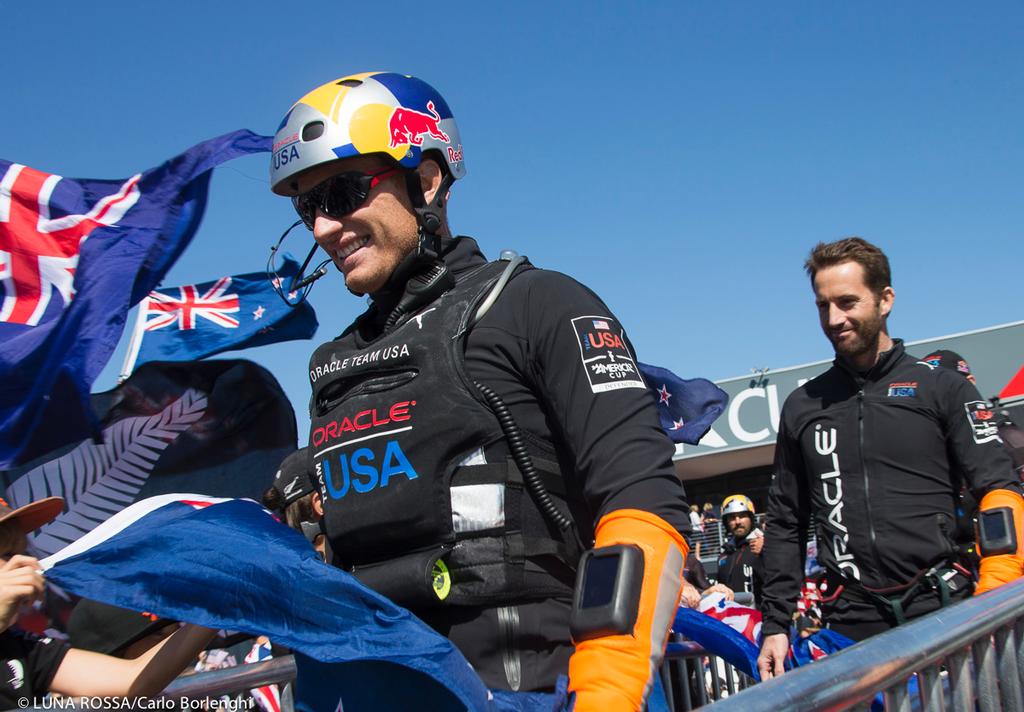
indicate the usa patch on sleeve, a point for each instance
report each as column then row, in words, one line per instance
column 983, row 421
column 606, row 358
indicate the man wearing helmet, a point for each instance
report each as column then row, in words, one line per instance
column 482, row 422
column 740, row 567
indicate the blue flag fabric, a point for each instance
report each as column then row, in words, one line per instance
column 686, row 407
column 817, row 645
column 230, row 564
column 77, row 253
column 717, row 638
column 198, row 320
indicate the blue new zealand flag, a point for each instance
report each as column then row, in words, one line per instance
column 686, row 407
column 198, row 320
column 75, row 254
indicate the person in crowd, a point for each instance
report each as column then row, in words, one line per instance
column 695, row 580
column 696, row 583
column 1011, row 435
column 708, row 514
column 37, row 665
column 871, row 448
column 696, row 523
column 294, row 496
column 740, row 567
column 482, row 423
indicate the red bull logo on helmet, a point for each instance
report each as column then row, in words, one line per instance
column 407, row 126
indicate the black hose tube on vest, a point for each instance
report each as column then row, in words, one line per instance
column 523, row 461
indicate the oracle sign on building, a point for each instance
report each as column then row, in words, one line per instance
column 751, row 421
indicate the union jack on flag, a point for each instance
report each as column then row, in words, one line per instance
column 75, row 255
column 228, row 314
column 162, row 310
column 39, row 253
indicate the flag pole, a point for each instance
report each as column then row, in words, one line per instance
column 135, row 342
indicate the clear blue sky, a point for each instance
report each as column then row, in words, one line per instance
column 680, row 158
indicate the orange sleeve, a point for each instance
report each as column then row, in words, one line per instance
column 997, row 570
column 616, row 672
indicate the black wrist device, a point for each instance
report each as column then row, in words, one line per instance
column 996, row 532
column 607, row 596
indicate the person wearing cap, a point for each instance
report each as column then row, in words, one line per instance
column 35, row 666
column 482, row 423
column 740, row 568
column 293, row 495
column 1011, row 435
column 872, row 449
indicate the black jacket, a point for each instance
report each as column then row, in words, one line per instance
column 529, row 349
column 876, row 459
column 741, row 569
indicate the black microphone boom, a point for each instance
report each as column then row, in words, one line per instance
column 306, row 281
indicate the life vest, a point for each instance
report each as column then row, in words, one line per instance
column 421, row 501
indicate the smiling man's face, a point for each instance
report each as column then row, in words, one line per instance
column 851, row 315
column 367, row 244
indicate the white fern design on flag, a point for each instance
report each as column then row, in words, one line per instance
column 97, row 481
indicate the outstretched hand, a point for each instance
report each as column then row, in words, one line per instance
column 20, row 583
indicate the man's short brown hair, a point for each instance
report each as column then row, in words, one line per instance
column 852, row 249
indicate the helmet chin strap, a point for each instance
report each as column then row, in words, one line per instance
column 429, row 216
column 422, row 276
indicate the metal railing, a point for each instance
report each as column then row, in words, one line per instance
column 214, row 683
column 964, row 657
column 693, row 677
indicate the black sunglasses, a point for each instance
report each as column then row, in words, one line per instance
column 339, row 195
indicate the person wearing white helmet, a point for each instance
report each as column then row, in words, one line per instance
column 739, row 566
column 482, row 423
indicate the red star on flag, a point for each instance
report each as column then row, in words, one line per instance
column 677, row 424
column 663, row 395
column 276, row 281
column 258, row 314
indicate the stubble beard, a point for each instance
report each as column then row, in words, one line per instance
column 867, row 335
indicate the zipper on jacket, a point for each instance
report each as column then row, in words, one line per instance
column 867, row 491
column 508, row 631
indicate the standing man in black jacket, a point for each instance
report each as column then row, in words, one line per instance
column 482, row 422
column 739, row 566
column 873, row 448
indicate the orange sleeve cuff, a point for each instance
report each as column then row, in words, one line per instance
column 994, row 571
column 616, row 672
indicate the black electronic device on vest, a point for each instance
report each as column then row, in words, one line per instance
column 607, row 597
column 421, row 289
column 996, row 532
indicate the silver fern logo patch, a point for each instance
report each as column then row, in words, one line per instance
column 99, row 480
column 17, row 670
